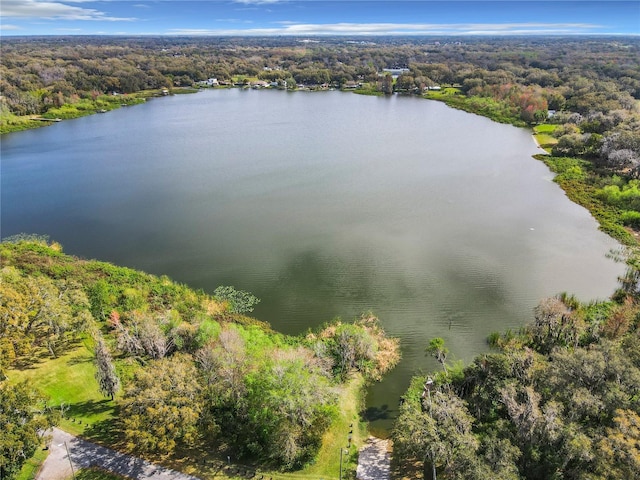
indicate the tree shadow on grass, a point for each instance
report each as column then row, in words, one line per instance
column 89, row 408
column 80, row 359
column 105, row 432
column 102, row 431
column 32, row 362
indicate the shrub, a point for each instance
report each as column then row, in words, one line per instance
column 631, row 218
column 238, row 301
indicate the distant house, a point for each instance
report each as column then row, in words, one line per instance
column 396, row 71
column 435, row 87
column 210, row 82
column 351, row 85
column 259, row 84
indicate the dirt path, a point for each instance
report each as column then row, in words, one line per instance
column 374, row 462
column 85, row 454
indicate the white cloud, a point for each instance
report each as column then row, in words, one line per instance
column 9, row 27
column 303, row 29
column 233, row 20
column 53, row 10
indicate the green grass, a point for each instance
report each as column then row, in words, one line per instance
column 544, row 136
column 69, row 381
column 328, row 460
column 485, row 106
column 32, row 466
column 444, row 92
column 89, row 107
column 95, row 473
column 184, row 90
column 15, row 123
column 545, row 128
column 367, row 89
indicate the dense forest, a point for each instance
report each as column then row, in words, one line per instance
column 559, row 399
column 523, row 78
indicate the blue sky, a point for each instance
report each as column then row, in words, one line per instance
column 318, row 17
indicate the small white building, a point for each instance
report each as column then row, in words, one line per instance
column 210, row 82
column 396, row 71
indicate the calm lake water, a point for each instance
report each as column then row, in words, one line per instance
column 321, row 204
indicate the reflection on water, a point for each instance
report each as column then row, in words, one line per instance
column 323, row 205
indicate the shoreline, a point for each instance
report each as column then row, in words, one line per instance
column 103, row 104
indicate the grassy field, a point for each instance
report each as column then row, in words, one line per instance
column 328, row 462
column 69, row 382
column 95, row 473
column 544, row 136
column 444, row 92
column 14, row 123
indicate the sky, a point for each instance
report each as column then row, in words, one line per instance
column 319, row 17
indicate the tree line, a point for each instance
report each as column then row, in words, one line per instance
column 581, row 74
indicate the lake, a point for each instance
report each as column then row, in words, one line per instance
column 323, row 205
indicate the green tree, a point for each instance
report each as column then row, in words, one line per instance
column 224, row 364
column 238, row 301
column 619, row 451
column 362, row 346
column 438, row 350
column 289, row 408
column 405, row 83
column 24, row 416
column 436, row 429
column 161, row 406
column 387, row 84
column 102, row 299
column 37, row 313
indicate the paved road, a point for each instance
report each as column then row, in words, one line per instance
column 374, row 461
column 86, row 454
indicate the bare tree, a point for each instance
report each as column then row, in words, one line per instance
column 105, row 369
